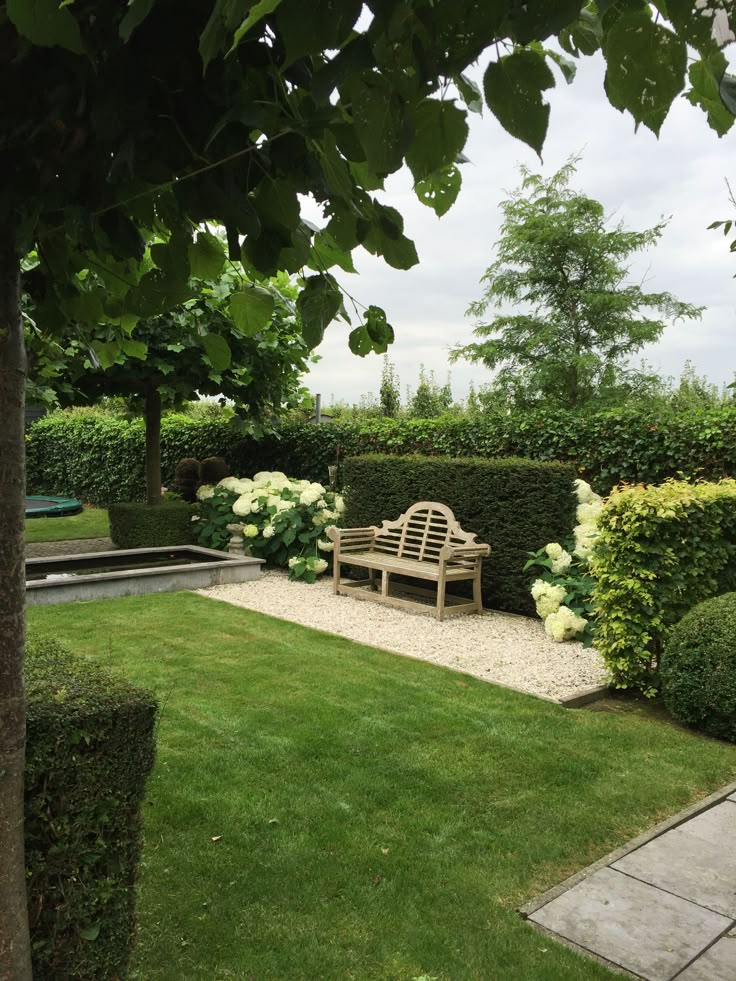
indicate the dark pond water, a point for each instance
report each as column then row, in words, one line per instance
column 89, row 566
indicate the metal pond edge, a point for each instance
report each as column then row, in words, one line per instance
column 644, row 838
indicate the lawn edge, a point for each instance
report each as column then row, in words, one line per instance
column 644, row 838
column 564, row 701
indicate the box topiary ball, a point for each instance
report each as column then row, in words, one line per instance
column 698, row 668
column 213, row 470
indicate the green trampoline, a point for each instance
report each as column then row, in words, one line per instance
column 51, row 507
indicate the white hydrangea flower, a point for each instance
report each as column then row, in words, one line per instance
column 554, row 550
column 196, row 517
column 244, row 485
column 250, row 531
column 309, row 496
column 588, row 513
column 205, row 492
column 293, row 561
column 325, row 545
column 584, row 492
column 255, row 506
column 563, row 625
column 318, row 519
column 282, row 506
column 269, row 531
column 229, row 483
column 243, row 505
column 321, row 503
column 548, row 598
column 585, row 536
column 319, row 566
column 339, row 503
column 562, row 563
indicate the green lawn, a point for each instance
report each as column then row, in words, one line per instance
column 89, row 523
column 381, row 818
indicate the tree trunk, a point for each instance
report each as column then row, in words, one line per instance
column 15, row 956
column 153, row 446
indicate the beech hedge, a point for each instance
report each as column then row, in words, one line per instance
column 516, row 506
column 90, row 748
column 660, row 551
column 100, row 460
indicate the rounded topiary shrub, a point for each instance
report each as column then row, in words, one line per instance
column 186, row 479
column 698, row 668
column 212, row 470
column 150, row 525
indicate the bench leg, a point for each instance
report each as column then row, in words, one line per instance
column 441, row 595
column 385, row 582
column 372, row 580
column 336, row 575
column 477, row 598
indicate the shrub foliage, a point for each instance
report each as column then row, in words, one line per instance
column 514, row 505
column 100, row 460
column 90, row 749
column 660, row 550
column 699, row 668
column 140, row 525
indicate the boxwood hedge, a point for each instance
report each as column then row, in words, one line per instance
column 514, row 505
column 699, row 668
column 90, row 748
column 100, row 460
column 137, row 525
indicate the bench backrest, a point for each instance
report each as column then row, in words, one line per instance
column 421, row 532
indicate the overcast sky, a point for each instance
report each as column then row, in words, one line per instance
column 633, row 174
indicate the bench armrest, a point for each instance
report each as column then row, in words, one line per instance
column 351, row 536
column 452, row 553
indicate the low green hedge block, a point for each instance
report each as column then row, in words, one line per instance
column 516, row 506
column 149, row 526
column 698, row 670
column 90, row 748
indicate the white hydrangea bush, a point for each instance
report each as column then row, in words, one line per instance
column 562, row 591
column 284, row 520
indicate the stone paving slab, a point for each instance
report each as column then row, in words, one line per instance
column 696, row 861
column 716, row 964
column 630, row 923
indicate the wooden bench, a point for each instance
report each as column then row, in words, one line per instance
column 424, row 543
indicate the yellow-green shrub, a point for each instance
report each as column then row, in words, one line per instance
column 660, row 551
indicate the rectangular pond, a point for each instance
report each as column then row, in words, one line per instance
column 132, row 572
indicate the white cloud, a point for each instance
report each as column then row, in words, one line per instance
column 636, row 176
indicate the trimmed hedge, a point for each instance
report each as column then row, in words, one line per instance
column 699, row 668
column 516, row 506
column 100, row 460
column 90, row 748
column 139, row 525
column 660, row 551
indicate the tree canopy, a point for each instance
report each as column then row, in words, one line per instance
column 124, row 125
column 123, row 122
column 203, row 347
column 561, row 267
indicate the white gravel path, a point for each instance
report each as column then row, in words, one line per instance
column 505, row 649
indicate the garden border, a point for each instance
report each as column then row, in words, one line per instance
column 712, row 800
